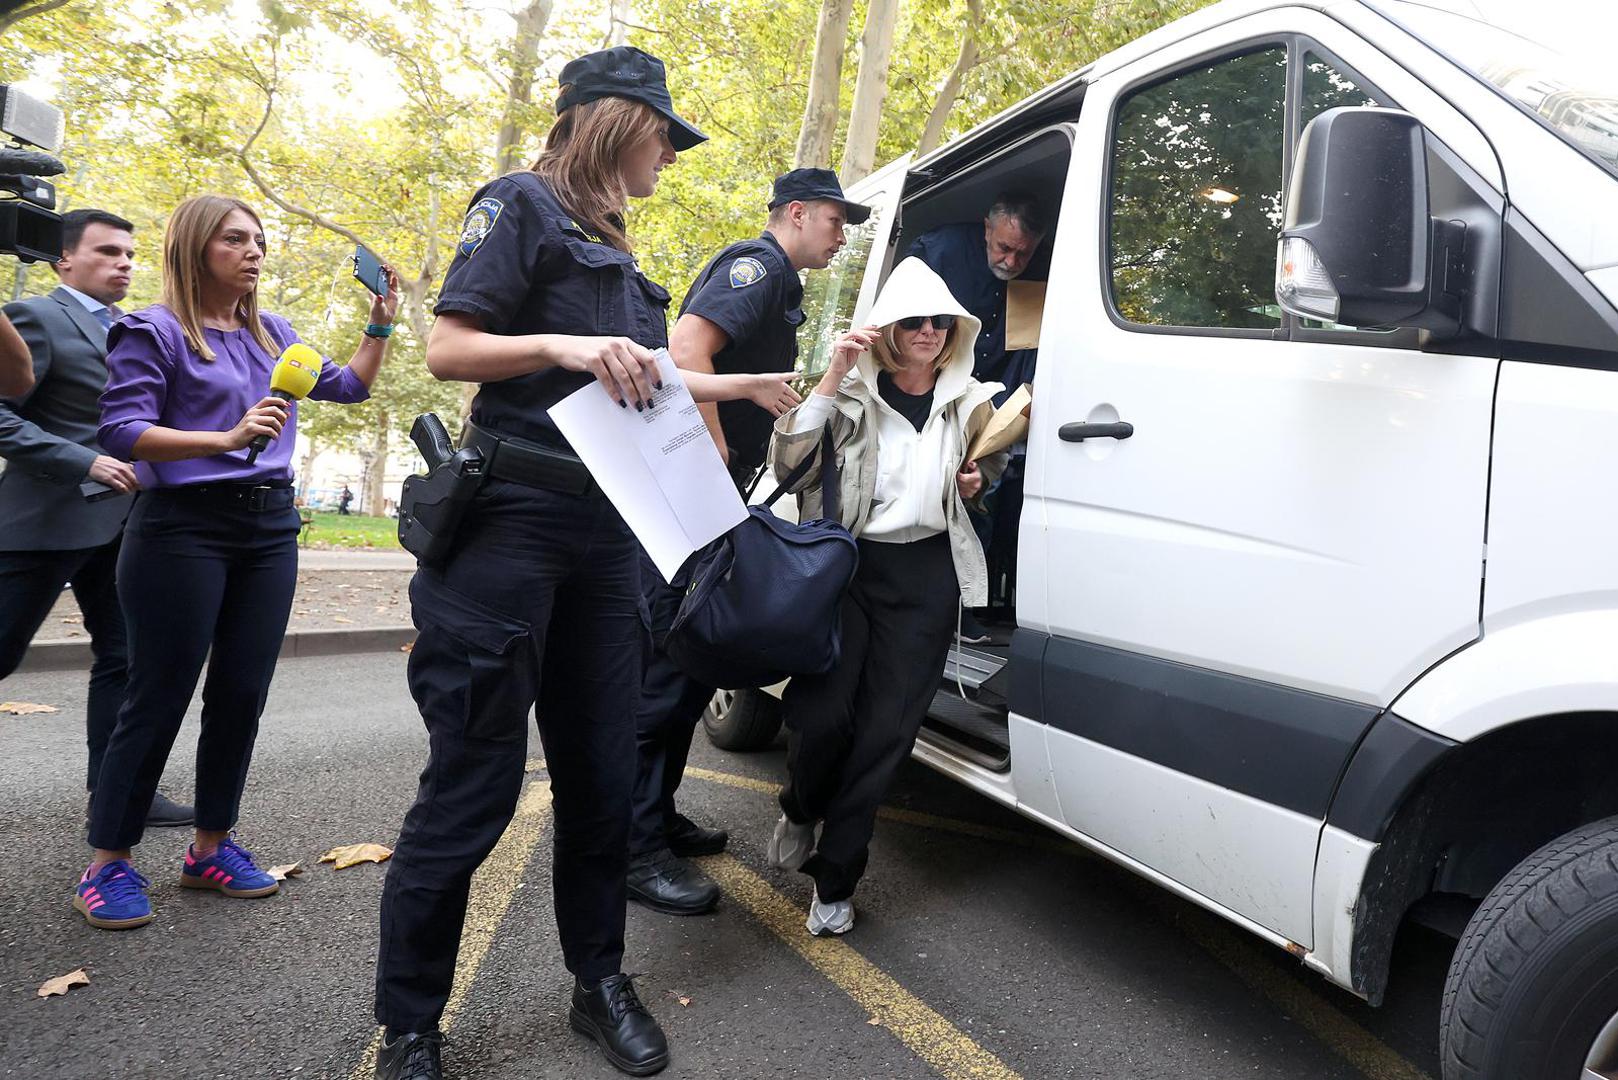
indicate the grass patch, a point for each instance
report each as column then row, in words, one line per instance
column 331, row 530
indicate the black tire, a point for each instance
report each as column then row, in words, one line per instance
column 1534, row 979
column 742, row 720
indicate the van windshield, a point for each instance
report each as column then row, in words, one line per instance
column 1552, row 58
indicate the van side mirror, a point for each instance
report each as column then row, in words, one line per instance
column 1359, row 246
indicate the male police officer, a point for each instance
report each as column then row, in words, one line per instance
column 53, row 535
column 741, row 315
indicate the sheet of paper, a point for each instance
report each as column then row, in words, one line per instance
column 659, row 467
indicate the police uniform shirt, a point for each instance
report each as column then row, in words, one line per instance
column 750, row 291
column 524, row 265
column 958, row 254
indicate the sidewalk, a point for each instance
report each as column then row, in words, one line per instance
column 347, row 600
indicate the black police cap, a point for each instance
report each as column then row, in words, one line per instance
column 625, row 72
column 808, row 185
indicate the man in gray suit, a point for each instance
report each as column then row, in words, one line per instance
column 62, row 501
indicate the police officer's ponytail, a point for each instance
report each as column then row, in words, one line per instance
column 582, row 155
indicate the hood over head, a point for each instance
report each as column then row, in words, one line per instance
column 914, row 288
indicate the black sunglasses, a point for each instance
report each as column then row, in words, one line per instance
column 940, row 322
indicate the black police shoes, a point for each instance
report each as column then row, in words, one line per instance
column 165, row 811
column 411, row 1057
column 613, row 1016
column 666, row 883
column 688, row 839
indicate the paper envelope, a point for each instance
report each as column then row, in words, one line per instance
column 1008, row 425
column 1025, row 308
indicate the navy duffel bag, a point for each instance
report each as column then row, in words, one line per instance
column 763, row 602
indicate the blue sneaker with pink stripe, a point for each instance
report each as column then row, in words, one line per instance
column 229, row 870
column 114, row 897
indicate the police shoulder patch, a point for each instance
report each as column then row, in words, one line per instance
column 745, row 271
column 479, row 224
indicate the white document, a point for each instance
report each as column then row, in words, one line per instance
column 659, row 467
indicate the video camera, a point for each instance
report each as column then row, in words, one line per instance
column 30, row 228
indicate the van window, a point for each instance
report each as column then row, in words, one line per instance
column 829, row 295
column 1196, row 195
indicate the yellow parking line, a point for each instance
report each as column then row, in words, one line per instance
column 493, row 887
column 1320, row 1017
column 908, row 817
column 939, row 1043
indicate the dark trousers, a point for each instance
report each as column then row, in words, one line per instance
column 202, row 579
column 30, row 582
column 849, row 730
column 539, row 602
column 671, row 703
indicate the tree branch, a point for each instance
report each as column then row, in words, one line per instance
column 7, row 22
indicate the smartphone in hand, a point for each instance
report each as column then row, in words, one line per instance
column 368, row 271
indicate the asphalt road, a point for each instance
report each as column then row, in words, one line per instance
column 985, row 947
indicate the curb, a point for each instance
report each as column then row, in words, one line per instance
column 75, row 655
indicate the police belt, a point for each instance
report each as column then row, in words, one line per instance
column 522, row 462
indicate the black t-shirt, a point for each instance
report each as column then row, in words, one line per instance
column 913, row 407
column 524, row 265
column 750, row 291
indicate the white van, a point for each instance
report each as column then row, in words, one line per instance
column 1316, row 626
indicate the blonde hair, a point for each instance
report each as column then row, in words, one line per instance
column 581, row 160
column 886, row 349
column 185, row 267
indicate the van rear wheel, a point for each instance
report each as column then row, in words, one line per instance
column 1532, row 992
column 742, row 719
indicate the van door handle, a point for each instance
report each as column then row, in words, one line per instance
column 1080, row 432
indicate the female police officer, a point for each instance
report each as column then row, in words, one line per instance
column 538, row 601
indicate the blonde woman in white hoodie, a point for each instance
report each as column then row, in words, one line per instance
column 903, row 408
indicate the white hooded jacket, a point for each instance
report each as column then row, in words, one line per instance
column 896, row 484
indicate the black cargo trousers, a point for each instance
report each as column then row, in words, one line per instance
column 538, row 603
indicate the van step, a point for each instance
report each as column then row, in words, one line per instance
column 974, row 665
column 975, row 732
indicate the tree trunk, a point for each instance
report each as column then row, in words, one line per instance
column 618, row 26
column 876, row 52
column 948, row 94
column 531, row 23
column 825, row 83
column 376, row 468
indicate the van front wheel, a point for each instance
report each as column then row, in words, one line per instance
column 742, row 719
column 1532, row 992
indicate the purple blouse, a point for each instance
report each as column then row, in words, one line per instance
column 154, row 379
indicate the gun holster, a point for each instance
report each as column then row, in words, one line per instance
column 431, row 506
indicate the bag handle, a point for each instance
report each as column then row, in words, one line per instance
column 829, row 488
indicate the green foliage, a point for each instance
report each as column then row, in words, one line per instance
column 380, row 121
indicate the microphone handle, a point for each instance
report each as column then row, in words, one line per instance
column 261, row 443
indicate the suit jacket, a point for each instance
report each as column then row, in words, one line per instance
column 48, row 436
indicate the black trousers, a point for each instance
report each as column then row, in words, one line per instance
column 671, row 703
column 539, row 602
column 202, row 579
column 849, row 730
column 30, row 582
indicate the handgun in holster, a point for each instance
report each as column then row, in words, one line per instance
column 431, row 506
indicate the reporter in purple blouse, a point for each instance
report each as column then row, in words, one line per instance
column 210, row 555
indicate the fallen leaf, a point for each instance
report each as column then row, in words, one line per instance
column 63, row 983
column 286, row 870
column 874, row 1022
column 407, row 646
column 339, row 618
column 354, row 854
column 685, row 1001
column 24, row 708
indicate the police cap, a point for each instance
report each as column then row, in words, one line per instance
column 625, row 72
column 808, row 185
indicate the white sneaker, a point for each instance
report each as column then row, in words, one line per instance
column 836, row 917
column 791, row 844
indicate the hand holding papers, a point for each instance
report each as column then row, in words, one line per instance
column 1008, row 425
column 659, row 467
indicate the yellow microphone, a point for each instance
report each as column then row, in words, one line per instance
column 294, row 376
